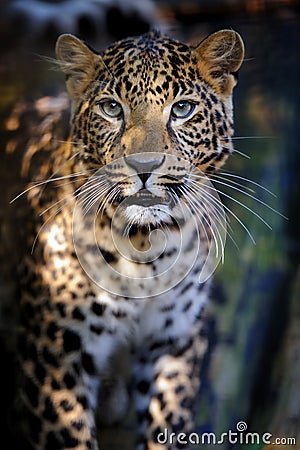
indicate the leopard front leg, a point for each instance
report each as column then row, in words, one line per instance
column 58, row 393
column 166, row 389
column 60, row 371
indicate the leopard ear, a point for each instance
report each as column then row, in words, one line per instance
column 219, row 58
column 77, row 61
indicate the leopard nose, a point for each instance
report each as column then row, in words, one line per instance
column 144, row 166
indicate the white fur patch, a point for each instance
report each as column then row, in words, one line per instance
column 150, row 215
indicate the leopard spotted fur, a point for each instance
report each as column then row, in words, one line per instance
column 140, row 102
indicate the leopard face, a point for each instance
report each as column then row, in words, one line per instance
column 150, row 108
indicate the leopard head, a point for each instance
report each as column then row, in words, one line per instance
column 148, row 109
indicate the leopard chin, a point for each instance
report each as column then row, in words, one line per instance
column 148, row 216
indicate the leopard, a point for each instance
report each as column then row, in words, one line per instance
column 113, row 306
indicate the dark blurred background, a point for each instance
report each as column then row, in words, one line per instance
column 252, row 372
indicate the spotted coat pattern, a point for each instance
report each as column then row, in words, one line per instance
column 141, row 95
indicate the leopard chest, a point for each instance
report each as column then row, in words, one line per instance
column 138, row 262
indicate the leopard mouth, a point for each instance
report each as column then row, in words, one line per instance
column 146, row 198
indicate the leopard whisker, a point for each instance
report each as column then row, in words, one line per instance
column 128, row 226
column 215, row 178
column 231, row 184
column 92, row 191
column 108, row 197
column 211, row 198
column 219, row 209
column 90, row 185
column 239, row 177
column 54, row 204
column 111, row 195
column 74, row 194
column 198, row 190
column 177, row 200
column 97, row 194
column 67, row 199
column 67, row 183
column 242, row 191
column 206, row 208
column 36, row 184
column 196, row 185
column 71, row 194
column 235, row 150
column 48, row 219
column 251, row 137
column 57, row 171
column 193, row 205
column 92, row 199
column 186, row 189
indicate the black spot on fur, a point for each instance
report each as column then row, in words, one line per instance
column 69, row 380
column 52, row 442
column 185, row 348
column 98, row 308
column 55, row 385
column 172, row 375
column 186, row 288
column 119, row 314
column 187, row 306
column 77, row 424
column 49, row 358
column 66, row 405
column 61, row 308
column 52, row 330
column 167, row 308
column 69, row 441
column 83, row 401
column 88, row 363
column 186, row 403
column 77, row 314
column 49, row 412
column 168, row 322
column 161, row 400
column 97, row 329
column 71, row 341
column 179, row 388
column 108, row 256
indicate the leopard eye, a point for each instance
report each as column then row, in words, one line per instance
column 182, row 109
column 111, row 108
